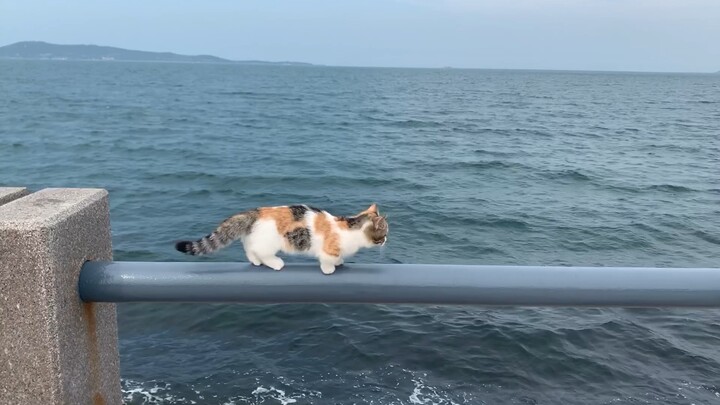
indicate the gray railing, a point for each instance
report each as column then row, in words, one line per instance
column 401, row 283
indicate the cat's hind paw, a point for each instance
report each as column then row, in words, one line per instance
column 253, row 259
column 274, row 263
column 327, row 268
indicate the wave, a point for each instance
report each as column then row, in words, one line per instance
column 493, row 152
column 137, row 255
column 252, row 183
column 240, row 93
column 469, row 166
column 567, row 174
column 261, row 95
column 490, row 164
column 137, row 393
column 708, row 237
column 424, row 393
column 416, row 124
column 670, row 188
column 274, row 393
column 413, row 388
column 488, row 222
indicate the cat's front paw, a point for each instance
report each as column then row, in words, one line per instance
column 327, row 268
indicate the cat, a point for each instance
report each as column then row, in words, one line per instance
column 265, row 231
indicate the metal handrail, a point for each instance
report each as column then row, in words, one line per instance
column 400, row 283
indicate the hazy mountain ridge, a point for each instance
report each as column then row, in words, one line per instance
column 47, row 51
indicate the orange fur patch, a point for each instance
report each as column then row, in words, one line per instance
column 331, row 244
column 342, row 223
column 283, row 218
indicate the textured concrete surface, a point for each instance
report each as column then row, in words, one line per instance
column 55, row 349
column 8, row 194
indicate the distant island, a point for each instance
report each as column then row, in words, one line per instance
column 38, row 50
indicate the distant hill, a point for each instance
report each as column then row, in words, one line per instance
column 45, row 51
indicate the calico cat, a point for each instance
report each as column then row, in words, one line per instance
column 266, row 231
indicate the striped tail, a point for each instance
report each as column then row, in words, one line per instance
column 229, row 230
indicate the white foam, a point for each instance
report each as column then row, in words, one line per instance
column 154, row 395
column 422, row 394
column 427, row 395
column 274, row 393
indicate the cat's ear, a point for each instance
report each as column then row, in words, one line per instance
column 372, row 209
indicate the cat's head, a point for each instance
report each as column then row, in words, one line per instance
column 377, row 225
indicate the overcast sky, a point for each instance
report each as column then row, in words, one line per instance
column 637, row 35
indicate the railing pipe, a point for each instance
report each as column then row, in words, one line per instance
column 401, row 283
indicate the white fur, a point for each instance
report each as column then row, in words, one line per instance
column 264, row 242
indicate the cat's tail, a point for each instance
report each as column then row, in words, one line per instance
column 229, row 230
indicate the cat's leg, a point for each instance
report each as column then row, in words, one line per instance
column 265, row 243
column 327, row 263
column 268, row 256
column 340, row 261
column 250, row 253
column 252, row 257
column 261, row 255
column 273, row 262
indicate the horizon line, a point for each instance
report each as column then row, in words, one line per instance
column 312, row 64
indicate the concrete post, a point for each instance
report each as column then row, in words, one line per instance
column 55, row 349
column 8, row 194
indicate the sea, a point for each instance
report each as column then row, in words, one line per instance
column 471, row 166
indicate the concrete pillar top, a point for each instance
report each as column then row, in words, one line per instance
column 47, row 207
column 8, row 194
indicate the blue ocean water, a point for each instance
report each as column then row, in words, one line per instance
column 472, row 166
